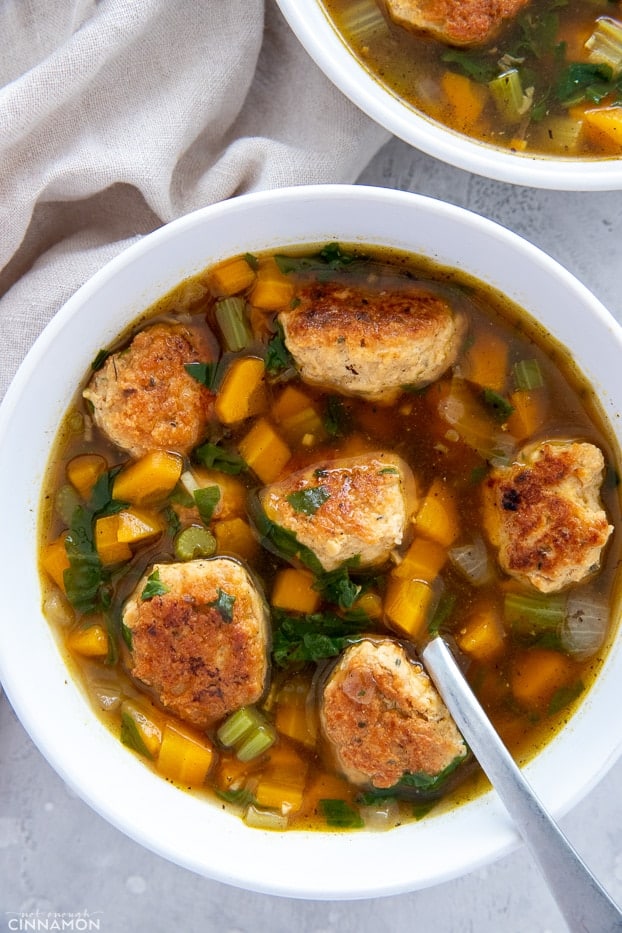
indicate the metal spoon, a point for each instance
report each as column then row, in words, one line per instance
column 583, row 902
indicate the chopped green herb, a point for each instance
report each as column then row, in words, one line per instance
column 240, row 797
column 476, row 65
column 86, row 578
column 224, row 605
column 340, row 814
column 337, row 587
column 131, row 736
column 205, row 373
column 100, row 358
column 314, row 636
column 499, row 405
column 206, row 501
column 126, row 634
column 278, row 357
column 252, row 261
column 335, row 417
column 564, row 696
column 153, row 587
column 281, row 541
column 429, row 783
column 441, row 614
column 308, row 501
column 216, row 458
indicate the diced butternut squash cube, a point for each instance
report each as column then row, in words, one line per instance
column 140, row 729
column 243, row 391
column 464, row 96
column 303, row 424
column 264, row 450
column 604, row 128
column 407, row 604
column 483, row 636
column 184, row 756
column 149, row 479
column 370, row 603
column 109, row 548
column 294, row 716
column 83, row 472
column 437, row 517
column 282, row 782
column 291, row 401
column 91, row 642
column 233, row 492
column 136, row 525
column 423, row 560
column 232, row 277
column 486, row 361
column 293, row 590
column 271, row 792
column 530, row 410
column 272, row 289
column 55, row 561
column 234, row 536
column 537, row 673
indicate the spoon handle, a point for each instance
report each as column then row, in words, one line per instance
column 585, row 905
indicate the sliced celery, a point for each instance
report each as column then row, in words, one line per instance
column 230, row 315
column 248, row 732
column 605, row 44
column 238, row 725
column 534, row 614
column 362, row 20
column 507, row 91
column 528, row 375
column 194, row 542
column 258, row 742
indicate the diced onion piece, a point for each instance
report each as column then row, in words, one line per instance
column 363, row 19
column 585, row 626
column 230, row 313
column 605, row 43
column 265, row 819
column 473, row 561
column 380, row 816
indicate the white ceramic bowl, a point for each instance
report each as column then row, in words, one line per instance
column 323, row 43
column 181, row 827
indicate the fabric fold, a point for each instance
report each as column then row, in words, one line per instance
column 117, row 117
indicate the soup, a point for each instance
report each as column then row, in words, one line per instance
column 294, row 470
column 548, row 81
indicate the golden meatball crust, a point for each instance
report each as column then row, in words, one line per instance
column 371, row 344
column 383, row 718
column 143, row 398
column 202, row 645
column 543, row 514
column 469, row 22
column 358, row 506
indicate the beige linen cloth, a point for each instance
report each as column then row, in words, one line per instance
column 119, row 115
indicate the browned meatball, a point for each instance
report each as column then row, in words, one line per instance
column 543, row 513
column 383, row 718
column 340, row 509
column 369, row 343
column 464, row 23
column 201, row 646
column 143, row 398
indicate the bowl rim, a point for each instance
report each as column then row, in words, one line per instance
column 313, row 28
column 243, row 855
